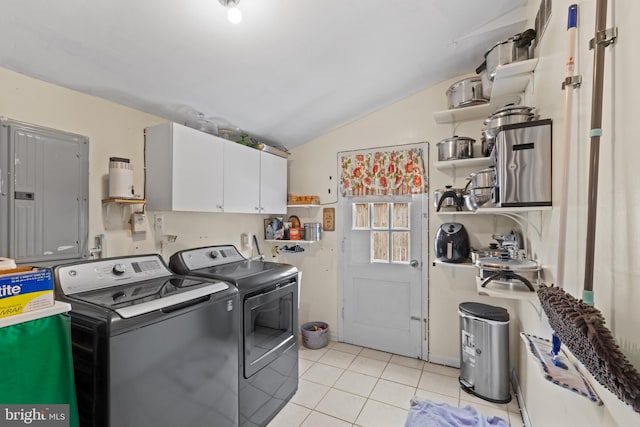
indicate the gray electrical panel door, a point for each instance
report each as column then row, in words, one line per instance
column 46, row 193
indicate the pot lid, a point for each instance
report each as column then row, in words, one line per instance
column 513, row 109
column 456, row 138
column 507, row 264
column 491, row 128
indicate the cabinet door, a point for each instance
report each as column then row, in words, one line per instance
column 197, row 171
column 241, row 178
column 183, row 169
column 273, row 184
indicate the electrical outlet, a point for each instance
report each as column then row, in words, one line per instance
column 159, row 223
column 244, row 241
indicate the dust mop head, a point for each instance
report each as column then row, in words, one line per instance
column 581, row 328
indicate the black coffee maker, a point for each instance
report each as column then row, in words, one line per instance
column 452, row 243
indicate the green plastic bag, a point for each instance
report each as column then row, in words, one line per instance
column 37, row 365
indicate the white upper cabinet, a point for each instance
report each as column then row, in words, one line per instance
column 273, row 184
column 184, row 169
column 254, row 181
column 189, row 170
column 241, row 178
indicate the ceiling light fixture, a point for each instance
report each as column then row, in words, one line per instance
column 234, row 15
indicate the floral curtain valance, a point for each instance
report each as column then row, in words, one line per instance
column 395, row 172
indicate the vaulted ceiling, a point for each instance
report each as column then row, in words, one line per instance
column 290, row 71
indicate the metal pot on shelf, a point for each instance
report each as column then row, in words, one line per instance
column 312, row 231
column 466, row 92
column 514, row 49
column 508, row 115
column 508, row 271
column 448, row 197
column 486, row 144
column 477, row 197
column 483, row 178
column 455, row 148
column 481, row 188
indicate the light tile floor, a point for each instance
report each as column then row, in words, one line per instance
column 343, row 385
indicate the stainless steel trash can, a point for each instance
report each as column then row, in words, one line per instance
column 484, row 351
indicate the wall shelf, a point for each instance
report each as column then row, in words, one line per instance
column 507, row 291
column 508, row 210
column 464, row 265
column 462, row 163
column 303, row 206
column 124, row 201
column 509, row 84
column 107, row 203
column 498, row 211
column 513, row 78
column 441, row 213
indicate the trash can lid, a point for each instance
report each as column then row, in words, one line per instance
column 484, row 311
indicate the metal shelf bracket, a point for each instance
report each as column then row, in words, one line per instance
column 606, row 37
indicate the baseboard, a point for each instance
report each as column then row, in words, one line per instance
column 454, row 362
column 523, row 408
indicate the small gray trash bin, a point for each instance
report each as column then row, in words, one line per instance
column 315, row 335
column 484, row 351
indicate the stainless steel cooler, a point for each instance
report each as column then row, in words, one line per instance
column 523, row 164
column 484, row 351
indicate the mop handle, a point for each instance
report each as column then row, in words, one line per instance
column 594, row 157
column 572, row 23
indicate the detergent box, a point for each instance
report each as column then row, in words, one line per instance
column 25, row 289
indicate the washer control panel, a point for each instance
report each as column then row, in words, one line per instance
column 100, row 274
column 211, row 256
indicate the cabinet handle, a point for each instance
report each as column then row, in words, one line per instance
column 1, row 184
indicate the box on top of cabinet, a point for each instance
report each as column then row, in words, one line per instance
column 25, row 289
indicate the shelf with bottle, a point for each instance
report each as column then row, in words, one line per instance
column 509, row 84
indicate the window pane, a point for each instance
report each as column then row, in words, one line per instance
column 380, row 246
column 380, row 215
column 361, row 216
column 400, row 245
column 400, row 215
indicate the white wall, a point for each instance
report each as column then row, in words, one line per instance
column 114, row 130
column 616, row 295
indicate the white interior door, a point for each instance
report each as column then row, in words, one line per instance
column 382, row 280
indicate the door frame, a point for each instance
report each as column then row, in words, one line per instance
column 424, row 236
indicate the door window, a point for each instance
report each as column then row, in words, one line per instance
column 389, row 225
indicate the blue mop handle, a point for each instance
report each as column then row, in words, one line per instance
column 555, row 344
